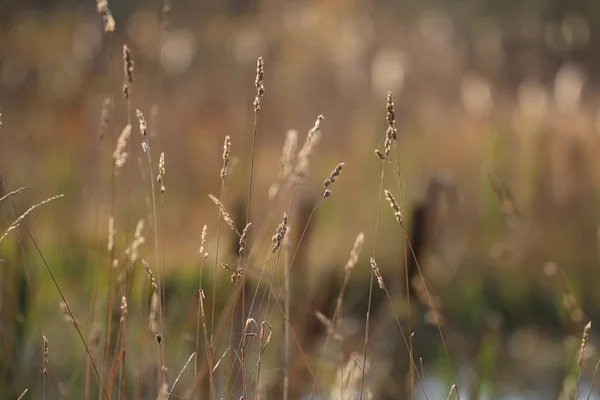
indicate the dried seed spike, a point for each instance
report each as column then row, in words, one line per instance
column 288, row 154
column 142, row 122
column 45, row 370
column 160, row 178
column 203, row 243
column 150, row 276
column 280, row 233
column 224, row 213
column 354, row 254
column 127, row 64
column 120, row 153
column 138, row 240
column 334, row 174
column 391, row 115
column 258, row 83
column 312, row 139
column 584, row 340
column 244, row 239
column 226, row 156
column 111, row 233
column 317, row 126
column 395, row 207
column 123, row 308
column 18, row 221
column 390, row 133
column 375, row 269
column 152, row 316
column 286, row 166
column 109, row 21
column 128, row 70
column 326, row 194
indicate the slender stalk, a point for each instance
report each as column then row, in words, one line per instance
column 368, row 315
column 287, row 315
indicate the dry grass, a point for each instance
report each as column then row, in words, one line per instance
column 257, row 343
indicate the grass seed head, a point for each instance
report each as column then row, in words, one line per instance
column 142, row 122
column 355, row 253
column 160, row 178
column 280, row 234
column 258, row 83
column 333, row 175
column 244, row 239
column 226, row 157
column 128, row 70
column 202, row 250
column 377, row 273
column 395, row 207
column 120, row 154
column 111, row 233
column 109, row 21
column 584, row 340
column 390, row 134
column 224, row 213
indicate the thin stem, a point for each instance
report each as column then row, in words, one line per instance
column 368, row 316
column 75, row 324
column 161, row 334
column 287, row 316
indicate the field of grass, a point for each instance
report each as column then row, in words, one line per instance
column 315, row 200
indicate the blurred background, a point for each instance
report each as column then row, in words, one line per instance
column 498, row 120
